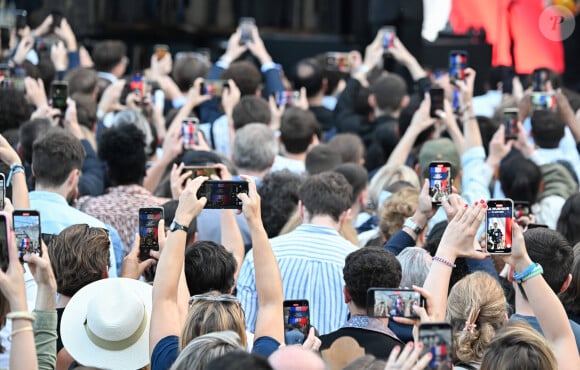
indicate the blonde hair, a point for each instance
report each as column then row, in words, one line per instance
column 213, row 315
column 202, row 350
column 388, row 175
column 519, row 346
column 476, row 309
column 396, row 209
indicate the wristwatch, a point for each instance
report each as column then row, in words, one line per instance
column 175, row 226
column 413, row 226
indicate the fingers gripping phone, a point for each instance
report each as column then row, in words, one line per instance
column 387, row 302
column 437, row 338
column 27, row 229
column 498, row 222
column 149, row 218
column 296, row 321
column 222, row 194
column 440, row 181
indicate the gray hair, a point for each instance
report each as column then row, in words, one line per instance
column 255, row 147
column 202, row 350
column 134, row 117
column 415, row 266
column 388, row 175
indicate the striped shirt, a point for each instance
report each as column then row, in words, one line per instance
column 311, row 259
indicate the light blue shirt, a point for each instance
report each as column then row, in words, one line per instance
column 485, row 105
column 311, row 259
column 221, row 134
column 56, row 215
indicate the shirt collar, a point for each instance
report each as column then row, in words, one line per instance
column 48, row 196
column 317, row 229
column 369, row 323
column 107, row 76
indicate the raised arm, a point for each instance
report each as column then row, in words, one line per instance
column 420, row 122
column 547, row 307
column 457, row 241
column 269, row 321
column 17, row 176
column 471, row 131
column 165, row 315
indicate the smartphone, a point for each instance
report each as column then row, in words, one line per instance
column 26, row 224
column 189, row 128
column 206, row 171
column 508, row 81
column 440, row 182
column 137, row 85
column 213, row 87
column 521, row 209
column 541, row 77
column 338, row 61
column 20, row 19
column 437, row 97
column 246, row 26
column 437, row 338
column 287, row 98
column 44, row 44
column 18, row 76
column 296, row 321
column 56, row 19
column 388, row 35
column 161, row 50
column 543, row 101
column 457, row 64
column 4, row 232
column 510, row 121
column 4, row 38
column 222, row 194
column 387, row 302
column 149, row 218
column 498, row 224
column 59, row 94
column 2, row 190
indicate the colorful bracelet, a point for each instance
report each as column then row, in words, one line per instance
column 23, row 315
column 444, row 261
column 15, row 168
column 535, row 269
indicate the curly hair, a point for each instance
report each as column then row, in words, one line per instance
column 396, row 209
column 279, row 193
column 123, row 149
column 477, row 297
column 367, row 268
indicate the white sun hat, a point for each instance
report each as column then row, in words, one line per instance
column 106, row 324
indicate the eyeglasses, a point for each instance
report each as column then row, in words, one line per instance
column 215, row 298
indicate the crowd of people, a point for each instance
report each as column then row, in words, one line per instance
column 338, row 201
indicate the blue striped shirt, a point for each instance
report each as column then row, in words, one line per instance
column 311, row 259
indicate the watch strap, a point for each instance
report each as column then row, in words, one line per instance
column 413, row 226
column 176, row 226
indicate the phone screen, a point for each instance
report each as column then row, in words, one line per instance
column 27, row 230
column 437, row 339
column 18, row 76
column 189, row 127
column 213, row 87
column 389, row 33
column 222, row 194
column 541, row 77
column 338, row 61
column 457, row 64
column 521, row 209
column 543, row 101
column 137, row 85
column 510, row 121
column 246, row 26
column 3, row 242
column 386, row 302
column 439, row 181
column 437, row 96
column 59, row 94
column 296, row 321
column 149, row 218
column 287, row 97
column 202, row 171
column 499, row 226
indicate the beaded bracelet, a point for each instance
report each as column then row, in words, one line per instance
column 444, row 261
column 23, row 315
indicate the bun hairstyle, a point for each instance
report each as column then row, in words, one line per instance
column 476, row 309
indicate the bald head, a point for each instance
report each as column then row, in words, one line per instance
column 294, row 358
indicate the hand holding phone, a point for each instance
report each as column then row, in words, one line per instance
column 510, row 121
column 437, row 338
column 246, row 26
column 4, row 233
column 296, row 321
column 287, row 98
column 498, row 222
column 440, row 181
column 387, row 302
column 388, row 36
column 59, row 95
column 27, row 229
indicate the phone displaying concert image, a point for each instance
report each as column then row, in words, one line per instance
column 457, row 64
column 437, row 338
column 149, row 218
column 296, row 321
column 439, row 181
column 499, row 226
column 27, row 229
